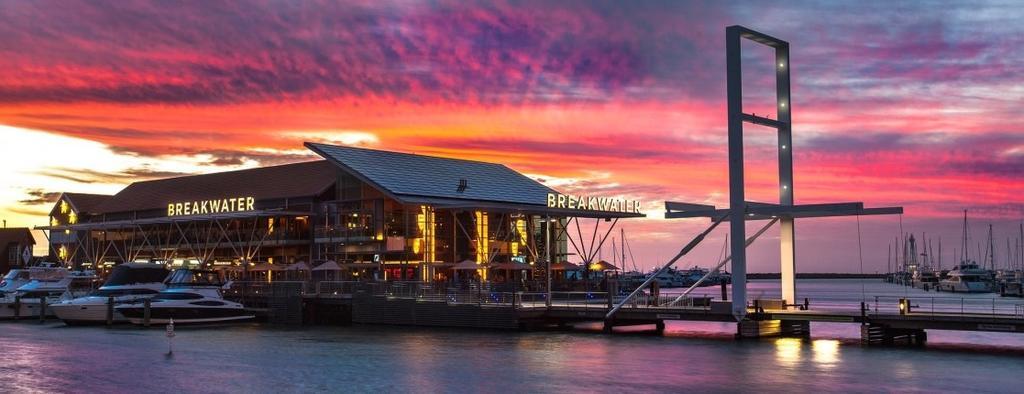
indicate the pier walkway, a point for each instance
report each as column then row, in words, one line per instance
column 882, row 319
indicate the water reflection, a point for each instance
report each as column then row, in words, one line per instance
column 826, row 352
column 787, row 351
column 380, row 359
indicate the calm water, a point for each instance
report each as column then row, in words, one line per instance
column 689, row 357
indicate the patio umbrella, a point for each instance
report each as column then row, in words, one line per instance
column 466, row 265
column 330, row 266
column 603, row 266
column 564, row 266
column 300, row 266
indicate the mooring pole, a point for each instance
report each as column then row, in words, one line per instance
column 110, row 311
column 146, row 312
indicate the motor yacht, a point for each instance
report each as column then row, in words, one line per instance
column 129, row 282
column 46, row 284
column 191, row 297
column 967, row 277
column 13, row 280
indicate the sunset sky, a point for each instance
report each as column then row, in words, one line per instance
column 912, row 104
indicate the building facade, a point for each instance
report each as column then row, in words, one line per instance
column 16, row 245
column 395, row 215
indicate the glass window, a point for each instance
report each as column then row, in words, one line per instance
column 177, row 296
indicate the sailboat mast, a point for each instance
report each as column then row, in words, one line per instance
column 991, row 249
column 963, row 248
column 622, row 238
column 888, row 260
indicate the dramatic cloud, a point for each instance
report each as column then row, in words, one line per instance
column 623, row 98
column 40, row 197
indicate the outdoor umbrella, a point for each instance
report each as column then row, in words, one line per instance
column 467, row 265
column 564, row 266
column 330, row 266
column 603, row 266
column 298, row 270
column 300, row 266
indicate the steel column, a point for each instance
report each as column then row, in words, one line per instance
column 787, row 236
column 737, row 202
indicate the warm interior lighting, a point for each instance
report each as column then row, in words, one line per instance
column 72, row 218
column 64, row 206
column 482, row 241
column 425, row 243
column 520, row 227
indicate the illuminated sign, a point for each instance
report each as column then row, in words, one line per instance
column 224, row 205
column 590, row 203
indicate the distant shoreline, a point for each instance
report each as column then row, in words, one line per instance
column 813, row 275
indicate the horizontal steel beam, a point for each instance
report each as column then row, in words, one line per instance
column 760, row 120
column 763, row 211
column 759, row 37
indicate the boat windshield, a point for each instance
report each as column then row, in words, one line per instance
column 17, row 274
column 187, row 277
column 127, row 274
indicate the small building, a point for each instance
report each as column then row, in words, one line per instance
column 393, row 215
column 16, row 245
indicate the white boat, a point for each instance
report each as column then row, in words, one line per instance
column 191, row 297
column 967, row 277
column 129, row 282
column 46, row 284
column 1010, row 283
column 13, row 280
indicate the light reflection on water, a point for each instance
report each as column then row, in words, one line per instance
column 254, row 358
column 826, row 352
column 688, row 357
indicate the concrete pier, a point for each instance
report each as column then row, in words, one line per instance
column 748, row 329
column 878, row 334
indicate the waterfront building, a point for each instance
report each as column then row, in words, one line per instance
column 15, row 248
column 375, row 213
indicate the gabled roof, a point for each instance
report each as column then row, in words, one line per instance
column 18, row 235
column 283, row 181
column 85, row 203
column 405, row 175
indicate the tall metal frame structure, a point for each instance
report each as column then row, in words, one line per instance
column 740, row 210
column 737, row 202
